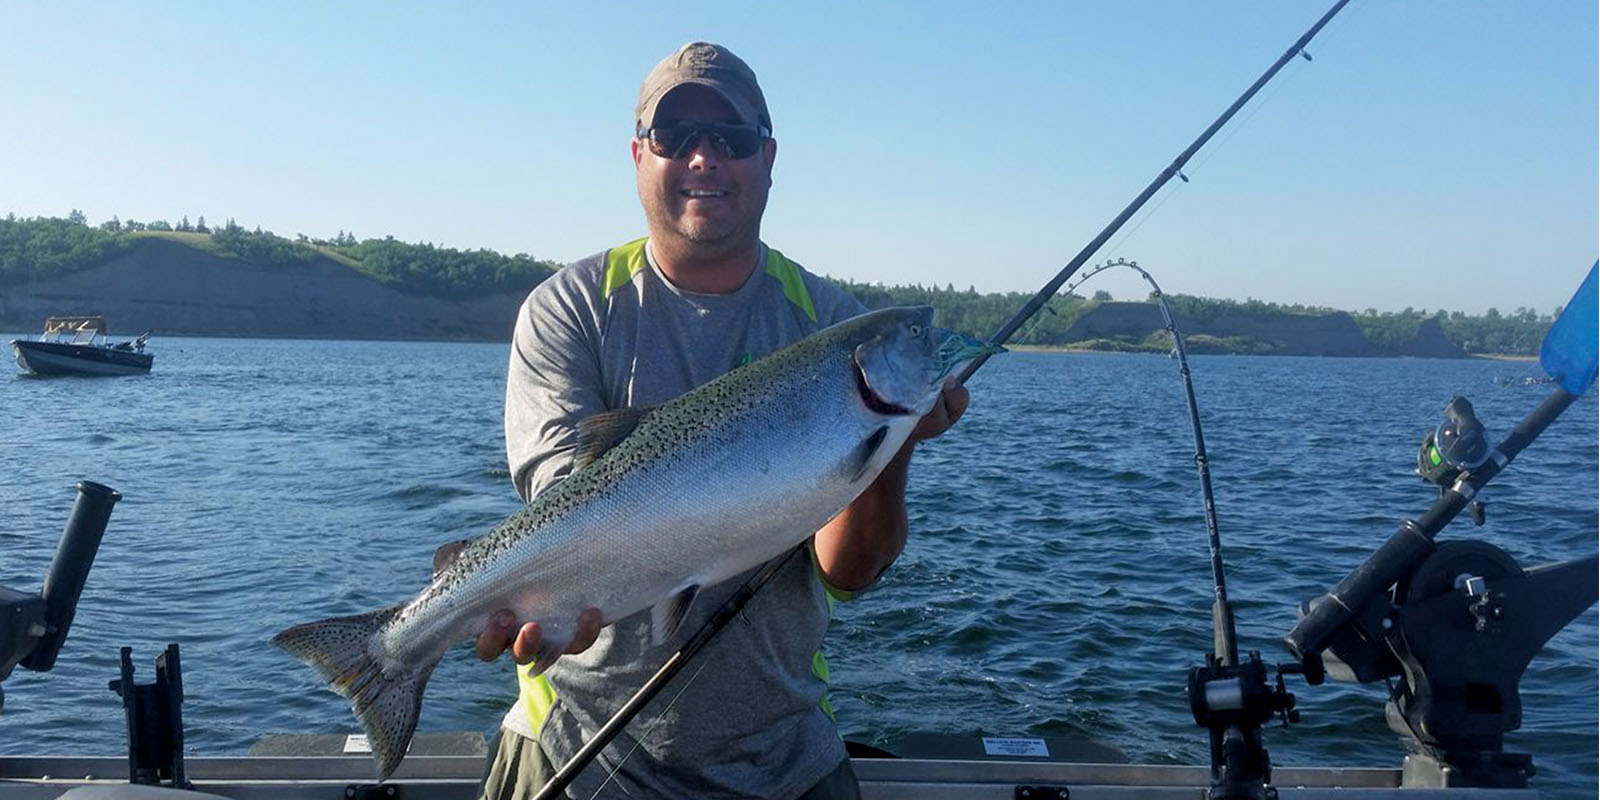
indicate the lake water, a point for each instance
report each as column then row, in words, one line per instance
column 1056, row 582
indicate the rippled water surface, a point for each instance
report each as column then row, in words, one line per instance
column 1056, row 582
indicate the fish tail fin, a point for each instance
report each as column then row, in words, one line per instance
column 386, row 702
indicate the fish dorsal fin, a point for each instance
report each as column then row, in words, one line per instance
column 601, row 432
column 667, row 616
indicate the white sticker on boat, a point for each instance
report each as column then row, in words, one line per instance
column 357, row 743
column 997, row 746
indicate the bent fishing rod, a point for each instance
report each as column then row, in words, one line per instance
column 730, row 609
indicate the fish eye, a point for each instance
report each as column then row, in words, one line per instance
column 916, row 329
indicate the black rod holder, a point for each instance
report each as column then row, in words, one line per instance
column 70, row 569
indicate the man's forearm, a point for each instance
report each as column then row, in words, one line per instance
column 858, row 544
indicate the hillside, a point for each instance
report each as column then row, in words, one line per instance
column 172, row 287
column 227, row 281
column 1139, row 326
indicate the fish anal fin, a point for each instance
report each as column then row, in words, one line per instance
column 667, row 616
column 603, row 431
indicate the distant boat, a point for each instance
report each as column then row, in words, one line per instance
column 78, row 346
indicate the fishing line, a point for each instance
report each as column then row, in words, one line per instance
column 1173, row 170
column 1266, row 99
column 647, row 731
column 1227, row 649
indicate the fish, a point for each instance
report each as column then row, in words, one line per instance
column 662, row 501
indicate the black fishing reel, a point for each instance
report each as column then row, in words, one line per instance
column 1221, row 695
column 1233, row 702
column 1458, row 445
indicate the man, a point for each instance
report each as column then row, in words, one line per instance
column 638, row 325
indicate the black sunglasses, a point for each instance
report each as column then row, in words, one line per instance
column 680, row 139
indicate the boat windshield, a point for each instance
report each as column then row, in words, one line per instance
column 77, row 330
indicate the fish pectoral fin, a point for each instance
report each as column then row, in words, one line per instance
column 603, row 431
column 860, row 457
column 667, row 616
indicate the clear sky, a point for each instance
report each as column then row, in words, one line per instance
column 1434, row 154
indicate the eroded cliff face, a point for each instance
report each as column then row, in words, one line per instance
column 1430, row 342
column 1331, row 334
column 174, row 289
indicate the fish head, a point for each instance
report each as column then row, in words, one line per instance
column 904, row 360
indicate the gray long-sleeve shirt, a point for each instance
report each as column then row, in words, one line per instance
column 610, row 332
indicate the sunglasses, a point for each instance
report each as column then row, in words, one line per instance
column 683, row 138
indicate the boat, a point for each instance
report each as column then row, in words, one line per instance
column 1449, row 626
column 78, row 346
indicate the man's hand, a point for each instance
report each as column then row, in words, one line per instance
column 952, row 403
column 496, row 637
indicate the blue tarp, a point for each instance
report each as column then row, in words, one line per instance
column 1572, row 348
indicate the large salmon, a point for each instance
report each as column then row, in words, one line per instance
column 662, row 501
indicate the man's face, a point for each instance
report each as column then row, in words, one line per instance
column 704, row 199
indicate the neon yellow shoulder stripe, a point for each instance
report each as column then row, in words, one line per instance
column 626, row 261
column 794, row 286
column 819, row 668
column 819, row 664
column 622, row 263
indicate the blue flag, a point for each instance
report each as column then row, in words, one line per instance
column 1572, row 348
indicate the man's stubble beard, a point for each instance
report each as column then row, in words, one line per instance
column 716, row 236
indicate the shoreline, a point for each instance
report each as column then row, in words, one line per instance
column 1020, row 348
column 1051, row 348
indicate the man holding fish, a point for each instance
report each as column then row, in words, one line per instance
column 679, row 411
column 636, row 326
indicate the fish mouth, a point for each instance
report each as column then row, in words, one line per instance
column 873, row 402
column 957, row 348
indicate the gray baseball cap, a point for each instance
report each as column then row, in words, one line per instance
column 712, row 66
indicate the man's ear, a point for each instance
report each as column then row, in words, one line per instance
column 634, row 146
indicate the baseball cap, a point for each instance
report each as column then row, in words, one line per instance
column 709, row 65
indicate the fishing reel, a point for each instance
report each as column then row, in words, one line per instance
column 1233, row 702
column 1458, row 445
column 1449, row 626
column 1230, row 694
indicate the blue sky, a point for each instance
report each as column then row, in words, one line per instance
column 1434, row 154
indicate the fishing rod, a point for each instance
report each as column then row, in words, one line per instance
column 671, row 667
column 1226, row 641
column 1568, row 356
column 1173, row 170
column 1450, row 627
column 1229, row 699
column 731, row 608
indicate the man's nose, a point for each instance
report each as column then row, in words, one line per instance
column 706, row 155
